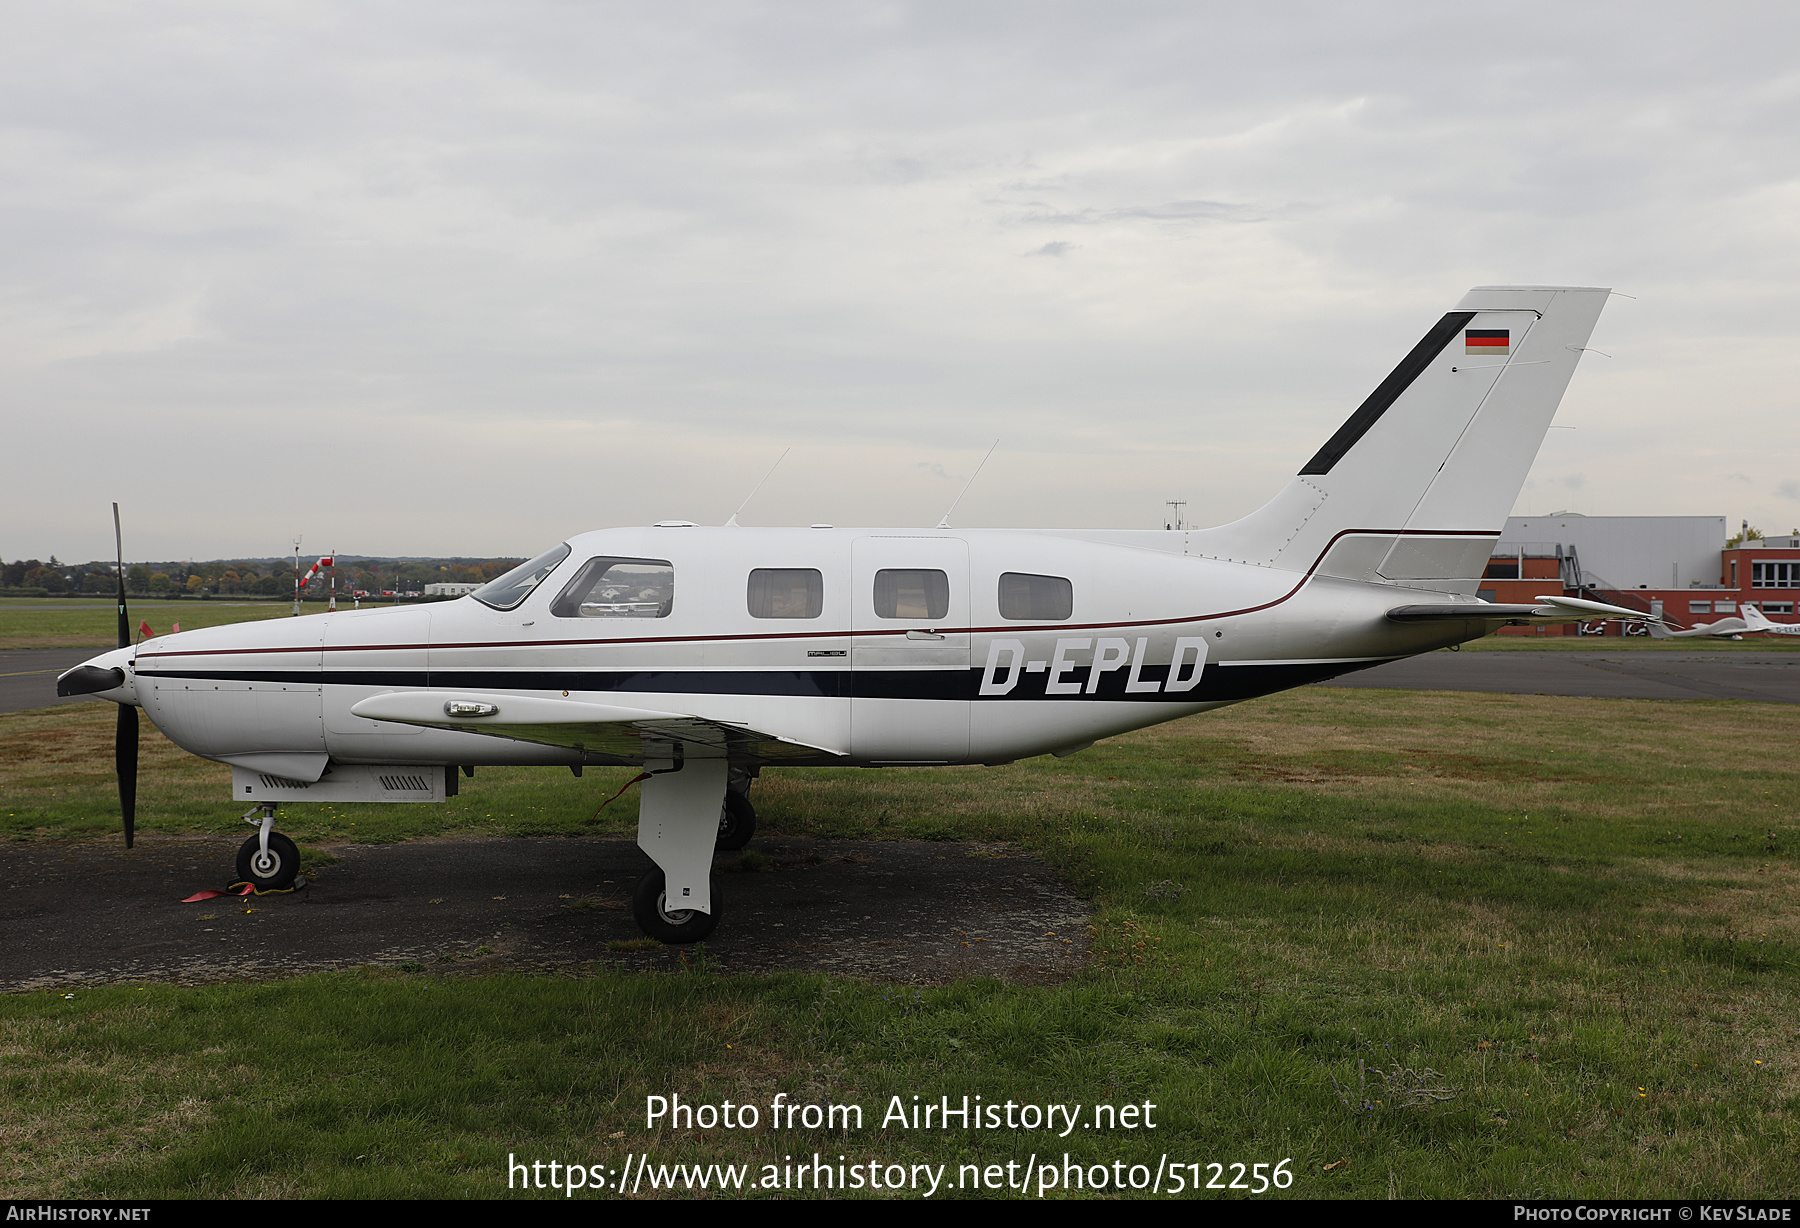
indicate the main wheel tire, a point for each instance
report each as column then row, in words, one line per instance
column 275, row 872
column 737, row 822
column 677, row 926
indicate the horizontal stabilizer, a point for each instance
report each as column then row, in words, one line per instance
column 1546, row 610
column 1460, row 611
column 629, row 734
column 1581, row 608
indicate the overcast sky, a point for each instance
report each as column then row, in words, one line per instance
column 467, row 278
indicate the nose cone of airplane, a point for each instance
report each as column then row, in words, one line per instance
column 107, row 676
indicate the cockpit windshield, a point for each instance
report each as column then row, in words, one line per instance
column 505, row 592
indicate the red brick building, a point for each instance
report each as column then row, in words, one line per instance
column 1622, row 560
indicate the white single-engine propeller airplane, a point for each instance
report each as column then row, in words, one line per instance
column 1756, row 620
column 705, row 655
column 1752, row 621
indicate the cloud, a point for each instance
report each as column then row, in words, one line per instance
column 637, row 250
column 1172, row 211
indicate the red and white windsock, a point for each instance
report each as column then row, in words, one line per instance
column 316, row 568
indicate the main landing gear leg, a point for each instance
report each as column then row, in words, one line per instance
column 678, row 824
column 737, row 818
column 269, row 860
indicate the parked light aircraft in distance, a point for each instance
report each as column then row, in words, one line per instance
column 1725, row 629
column 707, row 655
column 1751, row 620
column 1756, row 620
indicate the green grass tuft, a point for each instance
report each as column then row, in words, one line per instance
column 1427, row 945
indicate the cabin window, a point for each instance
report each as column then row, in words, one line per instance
column 505, row 592
column 786, row 592
column 1035, row 597
column 618, row 588
column 916, row 593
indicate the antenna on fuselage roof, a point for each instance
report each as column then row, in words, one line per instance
column 732, row 523
column 945, row 522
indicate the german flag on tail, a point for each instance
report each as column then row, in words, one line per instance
column 1489, row 342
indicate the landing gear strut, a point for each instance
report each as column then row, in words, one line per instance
column 268, row 860
column 679, row 822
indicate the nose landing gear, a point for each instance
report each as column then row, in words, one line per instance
column 268, row 860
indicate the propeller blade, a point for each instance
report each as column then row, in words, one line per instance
column 125, row 761
column 124, row 618
column 125, row 738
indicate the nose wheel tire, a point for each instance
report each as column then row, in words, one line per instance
column 273, row 871
column 737, row 822
column 675, row 926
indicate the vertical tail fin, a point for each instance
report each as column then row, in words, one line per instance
column 1418, row 482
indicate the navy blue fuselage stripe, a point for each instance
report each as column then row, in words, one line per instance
column 1218, row 682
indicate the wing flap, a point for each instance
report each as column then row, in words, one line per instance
column 632, row 734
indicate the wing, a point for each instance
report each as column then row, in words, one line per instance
column 629, row 734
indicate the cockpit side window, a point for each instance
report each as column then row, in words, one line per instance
column 505, row 592
column 1031, row 598
column 609, row 587
column 911, row 593
column 785, row 592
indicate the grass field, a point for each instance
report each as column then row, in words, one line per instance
column 71, row 623
column 1424, row 944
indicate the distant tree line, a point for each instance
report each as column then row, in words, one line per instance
column 272, row 578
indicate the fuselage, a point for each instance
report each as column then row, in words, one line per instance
column 873, row 646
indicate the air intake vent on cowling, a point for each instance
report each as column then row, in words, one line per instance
column 344, row 783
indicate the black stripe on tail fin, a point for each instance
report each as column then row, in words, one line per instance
column 1389, row 390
